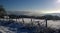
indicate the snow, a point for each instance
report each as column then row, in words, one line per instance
column 54, row 24
column 19, row 27
column 5, row 30
column 14, row 27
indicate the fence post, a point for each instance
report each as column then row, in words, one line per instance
column 31, row 22
column 46, row 22
column 31, row 19
column 23, row 20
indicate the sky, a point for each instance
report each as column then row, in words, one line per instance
column 40, row 6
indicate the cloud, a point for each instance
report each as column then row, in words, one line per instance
column 30, row 13
column 17, row 12
column 33, row 13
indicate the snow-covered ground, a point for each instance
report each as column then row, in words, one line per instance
column 18, row 27
column 51, row 23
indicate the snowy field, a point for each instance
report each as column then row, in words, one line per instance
column 16, row 27
column 51, row 23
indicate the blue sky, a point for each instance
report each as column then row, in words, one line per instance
column 32, row 5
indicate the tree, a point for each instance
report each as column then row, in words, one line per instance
column 2, row 11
